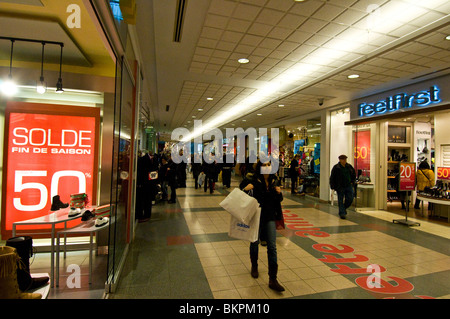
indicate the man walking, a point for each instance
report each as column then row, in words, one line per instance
column 342, row 179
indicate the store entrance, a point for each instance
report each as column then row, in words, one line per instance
column 421, row 139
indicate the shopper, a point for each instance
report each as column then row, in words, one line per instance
column 211, row 171
column 265, row 188
column 293, row 174
column 227, row 166
column 181, row 172
column 146, row 187
column 342, row 180
column 196, row 168
column 425, row 178
column 171, row 178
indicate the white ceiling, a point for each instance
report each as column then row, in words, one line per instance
column 298, row 52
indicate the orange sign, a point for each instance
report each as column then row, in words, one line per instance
column 443, row 173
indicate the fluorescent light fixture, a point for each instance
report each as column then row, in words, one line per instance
column 209, row 98
column 353, row 76
column 243, row 61
column 200, row 110
column 281, row 105
column 259, row 114
column 447, row 38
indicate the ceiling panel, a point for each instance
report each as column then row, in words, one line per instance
column 293, row 47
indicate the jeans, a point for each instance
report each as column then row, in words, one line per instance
column 345, row 199
column 267, row 231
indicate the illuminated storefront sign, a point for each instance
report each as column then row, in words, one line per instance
column 401, row 101
column 46, row 154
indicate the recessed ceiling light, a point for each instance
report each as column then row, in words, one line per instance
column 209, row 98
column 243, row 60
column 259, row 114
column 244, row 120
column 447, row 37
column 281, row 105
column 200, row 110
column 353, row 76
column 193, row 116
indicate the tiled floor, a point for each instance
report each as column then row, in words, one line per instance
column 185, row 252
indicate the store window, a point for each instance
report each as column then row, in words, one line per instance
column 304, row 140
column 364, row 156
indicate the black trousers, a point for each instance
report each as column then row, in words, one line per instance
column 294, row 179
column 226, row 177
column 209, row 181
column 143, row 202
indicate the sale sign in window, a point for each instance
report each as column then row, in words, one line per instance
column 46, row 155
column 443, row 173
column 362, row 150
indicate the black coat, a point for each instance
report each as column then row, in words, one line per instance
column 267, row 197
column 293, row 168
column 337, row 177
column 146, row 165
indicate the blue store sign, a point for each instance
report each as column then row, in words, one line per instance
column 400, row 101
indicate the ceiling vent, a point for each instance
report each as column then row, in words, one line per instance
column 179, row 19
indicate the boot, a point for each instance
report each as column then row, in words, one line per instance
column 254, row 271
column 8, row 276
column 57, row 203
column 24, row 249
column 273, row 282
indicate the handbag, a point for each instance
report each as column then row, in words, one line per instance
column 240, row 205
column 243, row 231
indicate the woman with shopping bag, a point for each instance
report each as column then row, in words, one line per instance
column 266, row 190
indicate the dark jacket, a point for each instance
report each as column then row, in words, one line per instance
column 145, row 166
column 267, row 197
column 168, row 173
column 339, row 179
column 293, row 168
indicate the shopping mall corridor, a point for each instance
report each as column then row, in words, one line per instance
column 184, row 252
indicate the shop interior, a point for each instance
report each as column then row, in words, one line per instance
column 417, row 139
column 303, row 139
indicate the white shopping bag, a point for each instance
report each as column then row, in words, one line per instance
column 240, row 205
column 201, row 178
column 248, row 232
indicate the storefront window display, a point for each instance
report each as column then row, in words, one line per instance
column 304, row 141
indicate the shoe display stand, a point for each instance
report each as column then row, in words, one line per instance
column 44, row 290
column 87, row 227
column 57, row 217
column 433, row 200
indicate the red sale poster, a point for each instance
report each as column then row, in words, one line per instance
column 362, row 150
column 407, row 176
column 49, row 150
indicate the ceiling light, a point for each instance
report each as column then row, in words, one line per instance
column 59, row 85
column 209, row 98
column 447, row 38
column 41, row 87
column 200, row 110
column 353, row 76
column 281, row 105
column 193, row 116
column 259, row 114
column 8, row 87
column 243, row 61
column 244, row 120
